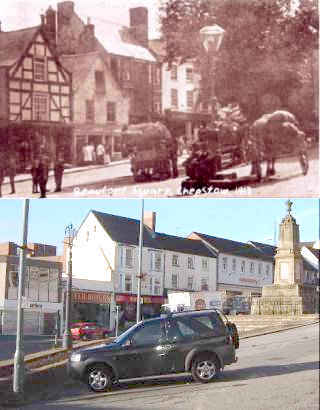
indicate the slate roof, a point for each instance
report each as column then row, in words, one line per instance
column 233, row 247
column 126, row 231
column 14, row 43
column 116, row 39
column 269, row 250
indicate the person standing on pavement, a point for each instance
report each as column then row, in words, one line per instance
column 173, row 152
column 34, row 174
column 43, row 174
column 12, row 170
column 100, row 152
column 58, row 171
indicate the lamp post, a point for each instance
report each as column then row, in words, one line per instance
column 140, row 264
column 211, row 37
column 67, row 337
column 18, row 375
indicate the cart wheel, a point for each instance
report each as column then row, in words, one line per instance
column 303, row 158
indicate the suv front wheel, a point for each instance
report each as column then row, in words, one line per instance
column 99, row 378
column 205, row 368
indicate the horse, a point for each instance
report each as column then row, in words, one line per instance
column 271, row 135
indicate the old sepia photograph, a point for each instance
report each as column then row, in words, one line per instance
column 159, row 98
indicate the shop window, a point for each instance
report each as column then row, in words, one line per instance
column 174, row 72
column 174, row 98
column 128, row 283
column 39, row 69
column 40, row 107
column 205, row 265
column 90, row 110
column 204, row 284
column 100, row 82
column 111, row 111
column 175, row 260
column 190, row 282
column 129, row 257
column 190, row 262
column 174, row 281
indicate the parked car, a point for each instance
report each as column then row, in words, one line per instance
column 89, row 330
column 201, row 342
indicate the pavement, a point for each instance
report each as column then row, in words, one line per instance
column 51, row 381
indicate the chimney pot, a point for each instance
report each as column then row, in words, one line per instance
column 149, row 220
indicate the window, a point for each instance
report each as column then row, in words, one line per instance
column 259, row 268
column 150, row 73
column 157, row 107
column 129, row 257
column 100, row 82
column 111, row 111
column 234, row 264
column 121, row 253
column 90, row 110
column 190, row 99
column 190, row 262
column 39, row 69
column 174, row 281
column 156, row 261
column 174, row 98
column 267, row 270
column 158, row 76
column 157, row 287
column 200, row 326
column 189, row 74
column 40, row 107
column 120, row 281
column 243, row 266
column 224, row 264
column 205, row 265
column 174, row 72
column 251, row 267
column 204, row 284
column 190, row 282
column 175, row 260
column 128, row 283
column 148, row 334
column 126, row 71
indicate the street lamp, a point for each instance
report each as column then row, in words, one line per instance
column 67, row 337
column 211, row 38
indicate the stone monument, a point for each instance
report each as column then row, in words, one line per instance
column 288, row 295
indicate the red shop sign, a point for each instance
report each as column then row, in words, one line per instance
column 91, row 297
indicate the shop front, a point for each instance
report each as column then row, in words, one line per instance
column 150, row 307
column 85, row 135
column 27, row 140
column 91, row 306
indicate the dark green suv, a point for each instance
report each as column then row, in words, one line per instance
column 201, row 342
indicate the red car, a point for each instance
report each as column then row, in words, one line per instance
column 89, row 330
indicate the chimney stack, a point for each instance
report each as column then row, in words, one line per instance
column 50, row 26
column 139, row 25
column 149, row 220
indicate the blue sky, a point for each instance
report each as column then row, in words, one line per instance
column 17, row 14
column 237, row 219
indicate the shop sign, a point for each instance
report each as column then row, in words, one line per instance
column 145, row 299
column 91, row 297
column 249, row 280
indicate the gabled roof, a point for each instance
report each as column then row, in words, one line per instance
column 79, row 65
column 14, row 43
column 126, row 231
column 269, row 250
column 117, row 40
column 233, row 247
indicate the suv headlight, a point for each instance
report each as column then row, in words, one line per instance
column 75, row 357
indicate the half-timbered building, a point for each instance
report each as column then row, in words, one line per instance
column 35, row 96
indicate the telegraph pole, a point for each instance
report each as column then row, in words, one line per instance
column 140, row 264
column 67, row 337
column 18, row 374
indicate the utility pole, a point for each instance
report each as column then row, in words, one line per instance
column 140, row 264
column 67, row 337
column 18, row 374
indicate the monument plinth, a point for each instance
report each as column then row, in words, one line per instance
column 287, row 295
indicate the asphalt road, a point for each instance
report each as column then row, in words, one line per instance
column 116, row 180
column 32, row 344
column 276, row 371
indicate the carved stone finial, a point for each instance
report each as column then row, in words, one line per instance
column 289, row 206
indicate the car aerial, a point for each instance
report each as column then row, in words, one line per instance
column 198, row 342
column 88, row 331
